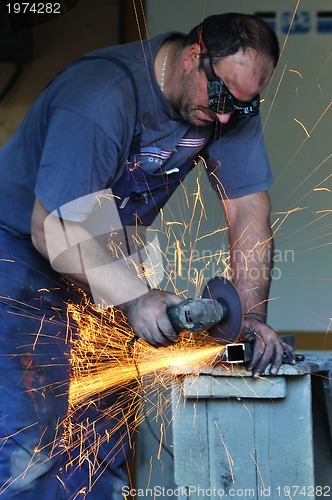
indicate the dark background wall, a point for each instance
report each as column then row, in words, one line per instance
column 31, row 57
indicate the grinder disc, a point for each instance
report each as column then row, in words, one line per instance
column 229, row 328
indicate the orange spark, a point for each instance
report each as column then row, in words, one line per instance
column 229, row 457
column 295, row 71
column 258, row 469
column 300, row 123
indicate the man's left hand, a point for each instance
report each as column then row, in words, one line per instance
column 268, row 347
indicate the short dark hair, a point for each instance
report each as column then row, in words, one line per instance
column 226, row 34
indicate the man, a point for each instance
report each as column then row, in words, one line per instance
column 124, row 123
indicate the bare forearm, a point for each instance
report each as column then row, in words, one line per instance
column 251, row 247
column 251, row 252
column 251, row 261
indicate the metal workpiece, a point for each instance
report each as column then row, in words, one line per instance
column 240, row 352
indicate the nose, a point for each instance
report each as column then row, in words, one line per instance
column 223, row 118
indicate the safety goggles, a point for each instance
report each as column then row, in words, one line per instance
column 221, row 100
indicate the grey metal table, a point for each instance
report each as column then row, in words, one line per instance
column 238, row 437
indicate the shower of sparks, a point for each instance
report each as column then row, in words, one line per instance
column 106, row 355
column 107, row 360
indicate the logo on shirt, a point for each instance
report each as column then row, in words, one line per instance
column 160, row 156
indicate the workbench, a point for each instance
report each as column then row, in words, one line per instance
column 239, row 437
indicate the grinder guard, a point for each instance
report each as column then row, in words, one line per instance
column 229, row 329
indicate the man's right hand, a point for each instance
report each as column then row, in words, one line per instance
column 148, row 317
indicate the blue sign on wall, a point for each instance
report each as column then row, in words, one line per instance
column 324, row 22
column 301, row 23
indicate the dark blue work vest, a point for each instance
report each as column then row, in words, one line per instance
column 140, row 195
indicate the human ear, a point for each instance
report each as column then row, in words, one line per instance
column 191, row 55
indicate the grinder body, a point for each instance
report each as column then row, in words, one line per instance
column 219, row 312
column 196, row 315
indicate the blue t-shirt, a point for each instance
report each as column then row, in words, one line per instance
column 76, row 137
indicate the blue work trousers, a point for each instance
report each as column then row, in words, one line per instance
column 34, row 382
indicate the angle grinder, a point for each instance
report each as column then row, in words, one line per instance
column 219, row 312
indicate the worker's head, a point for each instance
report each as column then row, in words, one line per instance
column 227, row 61
column 226, row 34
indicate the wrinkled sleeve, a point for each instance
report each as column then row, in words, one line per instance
column 237, row 163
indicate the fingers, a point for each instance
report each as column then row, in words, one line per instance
column 158, row 334
column 264, row 351
column 165, row 326
column 277, row 359
column 155, row 337
column 268, row 348
column 263, row 355
column 285, row 354
column 148, row 317
column 289, row 354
